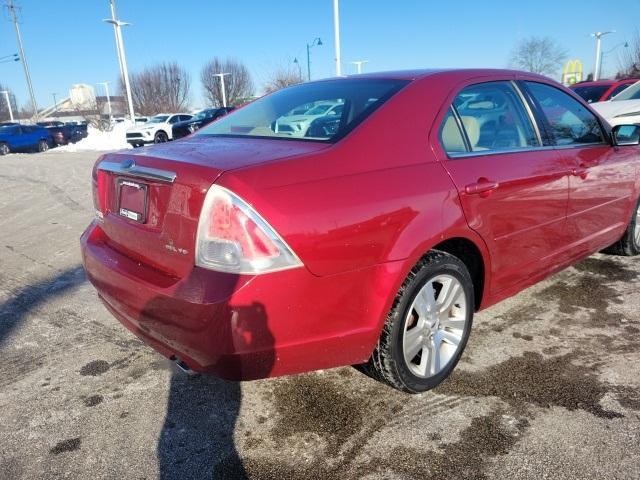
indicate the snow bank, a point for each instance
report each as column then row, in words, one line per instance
column 99, row 141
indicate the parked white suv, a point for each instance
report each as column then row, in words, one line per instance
column 155, row 130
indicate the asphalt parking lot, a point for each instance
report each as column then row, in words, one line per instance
column 549, row 386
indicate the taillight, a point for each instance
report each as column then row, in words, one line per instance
column 97, row 188
column 233, row 238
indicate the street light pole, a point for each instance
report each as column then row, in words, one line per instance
column 14, row 18
column 224, row 95
column 598, row 36
column 336, row 36
column 112, row 4
column 295, row 60
column 106, row 89
column 358, row 64
column 6, row 96
column 123, row 61
column 316, row 41
column 55, row 103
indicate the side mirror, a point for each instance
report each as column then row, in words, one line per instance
column 626, row 135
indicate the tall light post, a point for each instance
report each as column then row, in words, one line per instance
column 611, row 50
column 224, row 95
column 112, row 5
column 55, row 103
column 336, row 36
column 358, row 64
column 295, row 60
column 123, row 61
column 14, row 18
column 6, row 96
column 316, row 41
column 598, row 36
column 106, row 89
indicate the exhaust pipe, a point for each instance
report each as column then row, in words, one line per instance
column 183, row 367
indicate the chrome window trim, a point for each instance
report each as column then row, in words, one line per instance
column 132, row 170
column 524, row 149
column 527, row 107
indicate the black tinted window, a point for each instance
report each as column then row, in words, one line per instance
column 591, row 94
column 570, row 122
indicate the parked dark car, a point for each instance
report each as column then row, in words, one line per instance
column 62, row 133
column 199, row 120
column 20, row 138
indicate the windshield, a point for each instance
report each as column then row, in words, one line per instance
column 270, row 116
column 631, row 93
column 591, row 93
column 158, row 119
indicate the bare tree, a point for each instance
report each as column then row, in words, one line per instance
column 538, row 55
column 281, row 78
column 238, row 84
column 630, row 59
column 162, row 88
column 4, row 108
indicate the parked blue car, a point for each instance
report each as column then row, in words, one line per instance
column 21, row 138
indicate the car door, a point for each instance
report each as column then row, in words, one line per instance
column 21, row 137
column 513, row 189
column 603, row 176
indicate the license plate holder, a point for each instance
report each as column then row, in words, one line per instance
column 132, row 200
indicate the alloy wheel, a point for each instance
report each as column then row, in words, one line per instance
column 4, row 149
column 161, row 137
column 434, row 326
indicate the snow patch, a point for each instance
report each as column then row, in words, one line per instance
column 98, row 140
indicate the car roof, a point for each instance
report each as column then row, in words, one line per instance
column 458, row 73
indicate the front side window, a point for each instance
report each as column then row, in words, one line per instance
column 570, row 122
column 630, row 93
column 618, row 90
column 321, row 111
column 493, row 118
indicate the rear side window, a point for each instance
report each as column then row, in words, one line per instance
column 451, row 136
column 618, row 89
column 493, row 120
column 570, row 122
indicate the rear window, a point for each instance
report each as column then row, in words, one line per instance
column 593, row 93
column 322, row 111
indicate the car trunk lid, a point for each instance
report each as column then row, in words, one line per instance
column 150, row 200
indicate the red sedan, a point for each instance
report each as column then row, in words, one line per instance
column 367, row 237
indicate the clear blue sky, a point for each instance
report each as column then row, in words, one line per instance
column 67, row 43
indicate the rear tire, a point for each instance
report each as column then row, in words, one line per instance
column 43, row 146
column 4, row 149
column 629, row 244
column 428, row 326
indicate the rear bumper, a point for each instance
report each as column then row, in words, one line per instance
column 244, row 327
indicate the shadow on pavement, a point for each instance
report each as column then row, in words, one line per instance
column 197, row 438
column 31, row 297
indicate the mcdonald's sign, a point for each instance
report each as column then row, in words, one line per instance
column 572, row 72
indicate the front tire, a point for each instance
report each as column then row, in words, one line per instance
column 160, row 137
column 4, row 149
column 629, row 244
column 428, row 326
column 43, row 146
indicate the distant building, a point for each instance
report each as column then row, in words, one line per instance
column 81, row 103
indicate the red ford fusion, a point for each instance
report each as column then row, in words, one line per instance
column 289, row 237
